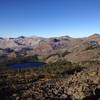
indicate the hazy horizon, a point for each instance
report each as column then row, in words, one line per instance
column 49, row 36
column 49, row 18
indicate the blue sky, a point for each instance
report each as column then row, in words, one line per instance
column 49, row 18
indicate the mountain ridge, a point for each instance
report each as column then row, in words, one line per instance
column 72, row 49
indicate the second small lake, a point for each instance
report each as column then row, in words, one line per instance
column 27, row 65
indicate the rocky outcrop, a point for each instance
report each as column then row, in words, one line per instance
column 53, row 59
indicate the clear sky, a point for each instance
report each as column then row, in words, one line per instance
column 49, row 18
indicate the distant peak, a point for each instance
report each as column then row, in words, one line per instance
column 21, row 37
column 1, row 38
column 95, row 34
column 66, row 36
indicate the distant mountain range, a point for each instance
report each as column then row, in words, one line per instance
column 71, row 49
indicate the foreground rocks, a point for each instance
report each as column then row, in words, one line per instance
column 84, row 85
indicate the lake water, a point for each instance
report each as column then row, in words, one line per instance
column 27, row 65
